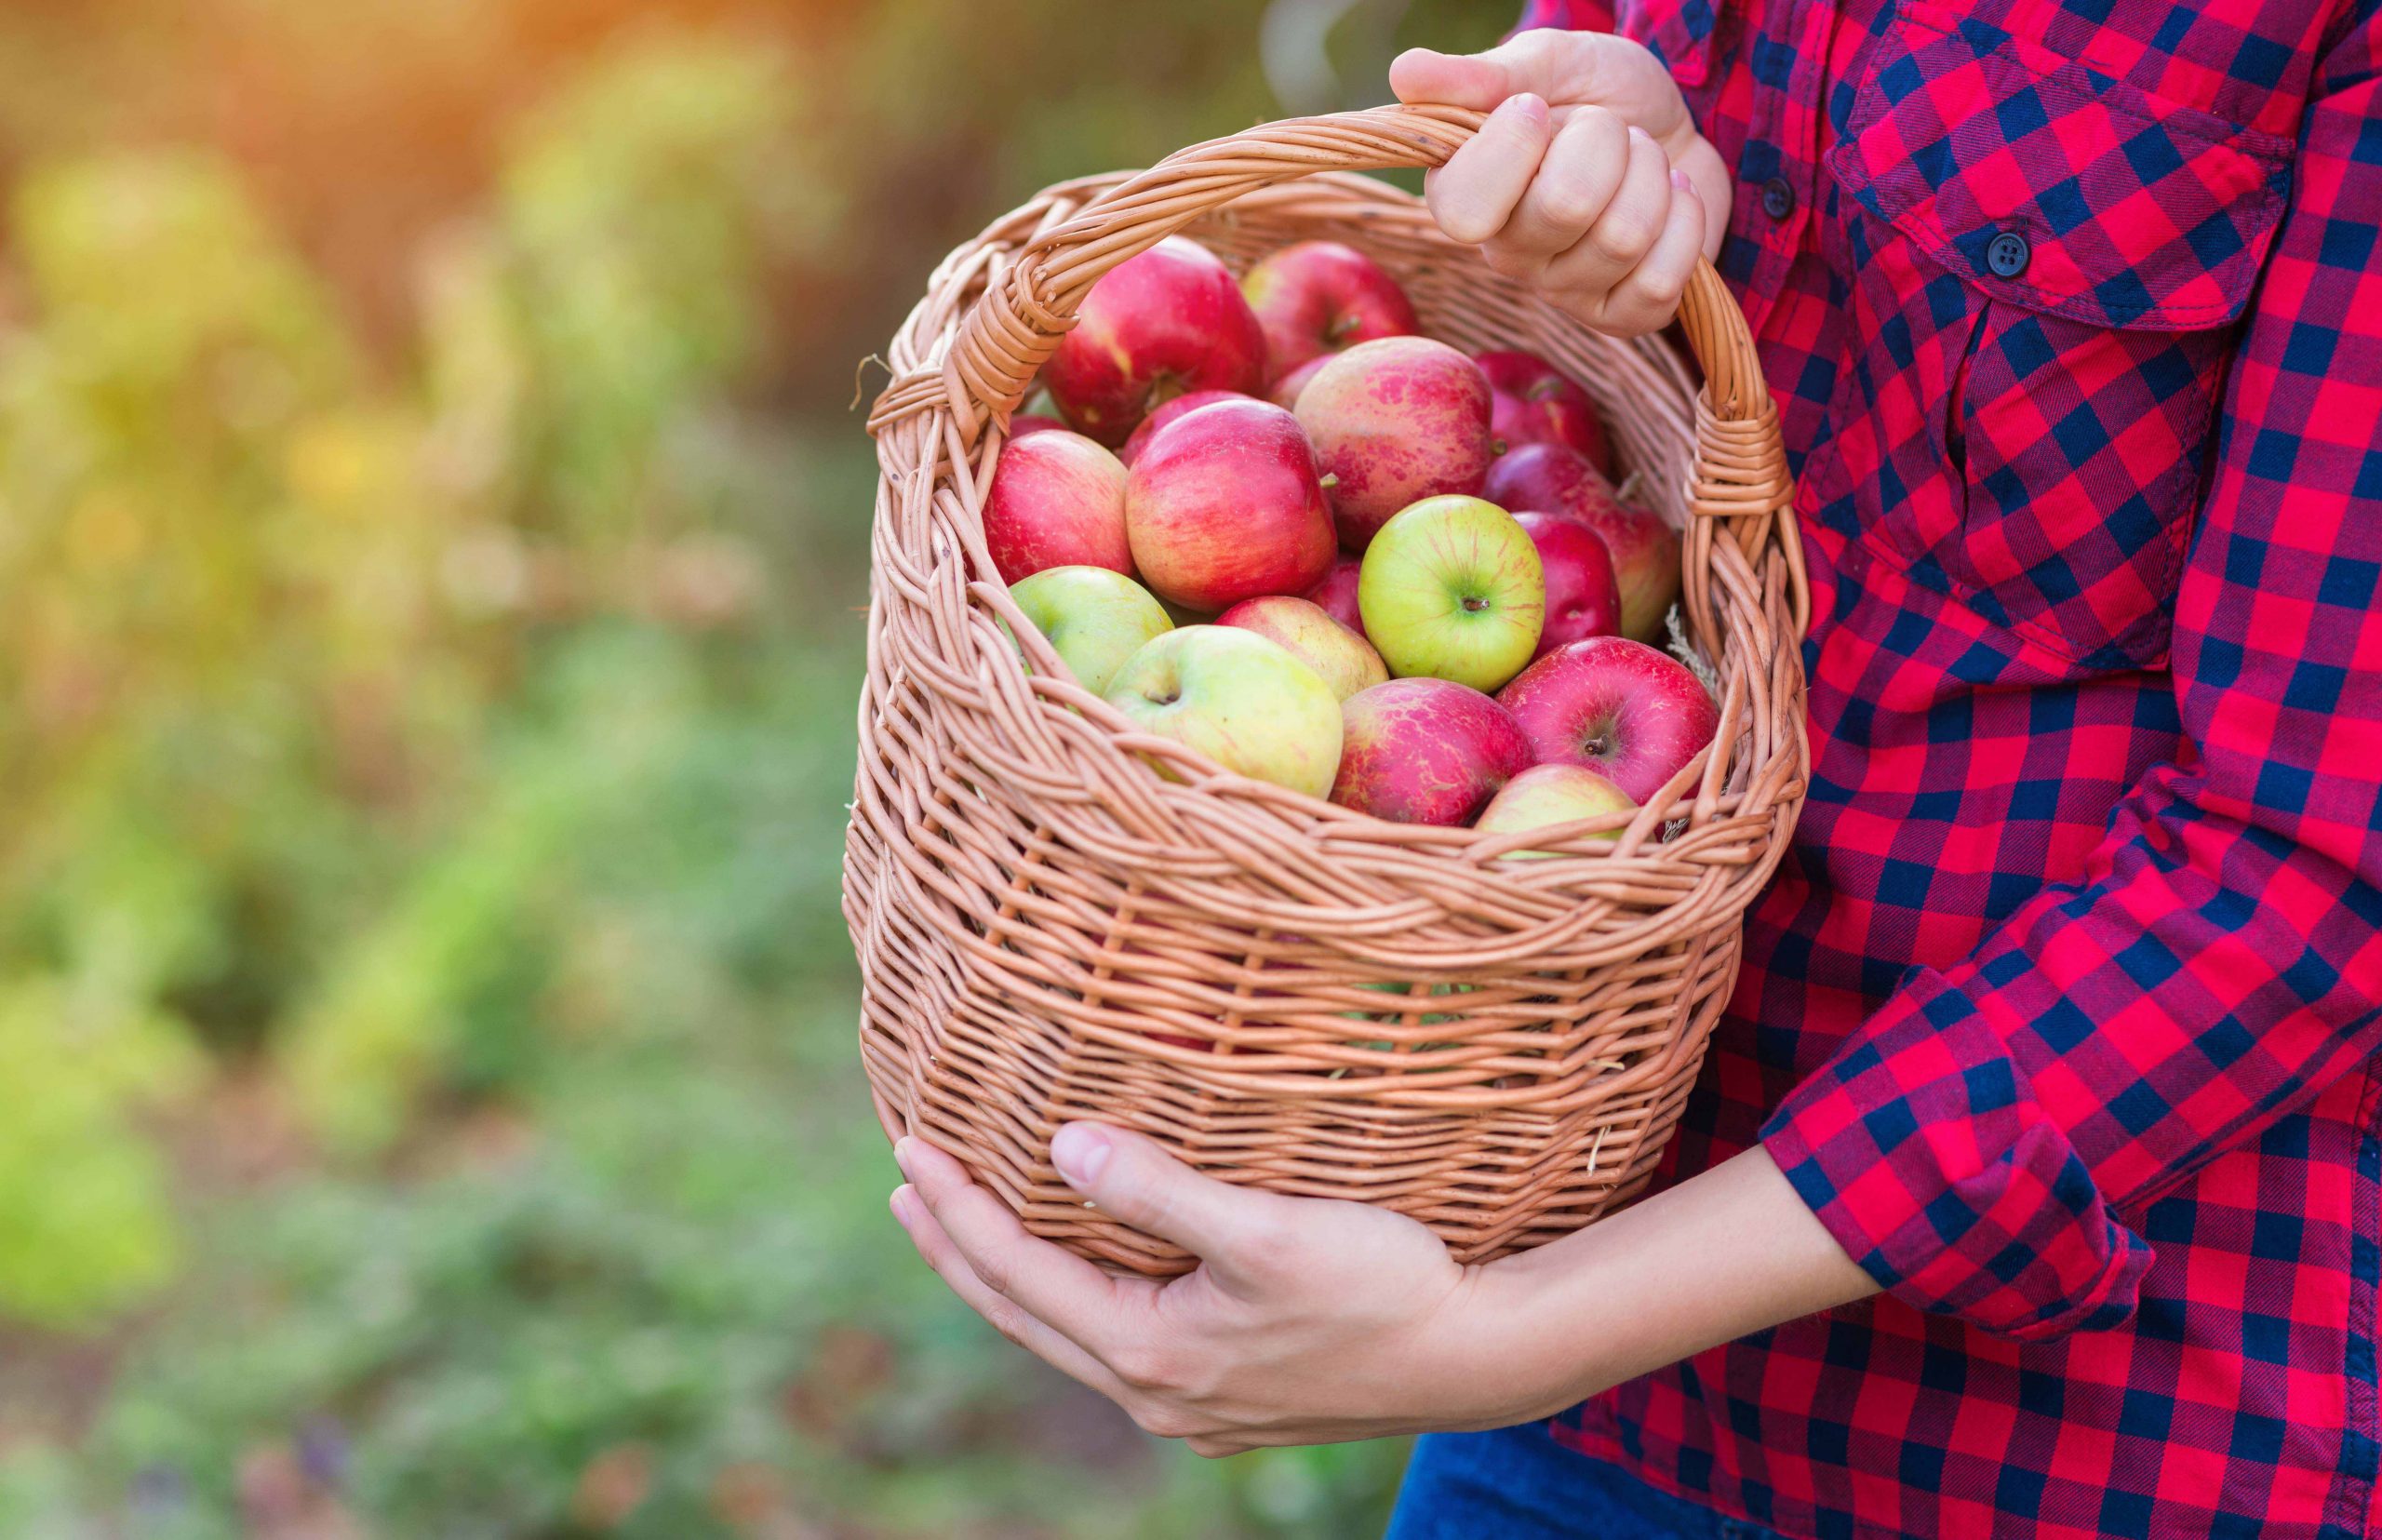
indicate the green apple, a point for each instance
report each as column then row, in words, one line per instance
column 1094, row 617
column 1246, row 703
column 1545, row 795
column 1451, row 587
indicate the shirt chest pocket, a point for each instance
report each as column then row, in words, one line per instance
column 2047, row 269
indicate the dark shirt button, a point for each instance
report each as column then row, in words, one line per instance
column 2008, row 254
column 1778, row 197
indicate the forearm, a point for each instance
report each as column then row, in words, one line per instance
column 1728, row 1253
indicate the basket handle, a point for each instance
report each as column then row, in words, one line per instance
column 1030, row 304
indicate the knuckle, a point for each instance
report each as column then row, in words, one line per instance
column 1507, row 261
column 1161, row 1421
column 1009, row 1321
column 995, row 1271
column 1622, row 236
column 1143, row 1365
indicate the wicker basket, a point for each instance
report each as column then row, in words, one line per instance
column 1387, row 1012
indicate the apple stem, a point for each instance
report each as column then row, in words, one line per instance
column 1497, row 447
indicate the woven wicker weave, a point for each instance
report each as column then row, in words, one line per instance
column 1030, row 900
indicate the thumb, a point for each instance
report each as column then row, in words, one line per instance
column 1133, row 1180
column 1532, row 62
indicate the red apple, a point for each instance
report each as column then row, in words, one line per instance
column 1582, row 600
column 1337, row 594
column 1551, row 479
column 1319, row 297
column 1286, row 390
column 1538, row 405
column 1164, row 324
column 1026, row 422
column 1162, row 415
column 1341, row 658
column 1394, row 421
column 1426, row 751
column 1616, row 706
column 1223, row 504
column 1057, row 500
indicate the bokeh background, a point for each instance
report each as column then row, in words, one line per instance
column 432, row 541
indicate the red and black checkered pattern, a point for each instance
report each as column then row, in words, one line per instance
column 2064, row 1013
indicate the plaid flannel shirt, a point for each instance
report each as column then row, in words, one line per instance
column 2062, row 1014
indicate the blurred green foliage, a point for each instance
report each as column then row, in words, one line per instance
column 432, row 535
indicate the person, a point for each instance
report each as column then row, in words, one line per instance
column 2032, row 1186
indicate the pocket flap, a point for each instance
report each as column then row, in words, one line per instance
column 2055, row 187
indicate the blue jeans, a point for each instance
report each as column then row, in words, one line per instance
column 1518, row 1484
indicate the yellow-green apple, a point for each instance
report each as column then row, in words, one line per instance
column 1286, row 390
column 1223, row 504
column 1157, row 326
column 1543, row 796
column 1319, row 297
column 1345, row 661
column 1537, row 404
column 1057, row 500
column 1552, row 479
column 1246, row 703
column 1426, row 751
column 1452, row 587
column 1337, row 594
column 1167, row 412
column 1094, row 617
column 1619, row 707
column 1392, row 421
column 1582, row 600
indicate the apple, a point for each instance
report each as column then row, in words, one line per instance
column 1538, row 405
column 1582, row 600
column 1394, row 421
column 1242, row 701
column 1452, row 587
column 1057, row 500
column 1553, row 479
column 1154, row 327
column 1547, row 795
column 1162, row 415
column 1619, row 707
column 1337, row 594
column 1286, row 390
column 1426, row 751
column 1344, row 660
column 1319, row 297
column 1222, row 504
column 1094, row 617
column 1026, row 422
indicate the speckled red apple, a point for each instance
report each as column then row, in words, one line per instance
column 1057, row 500
column 1552, row 479
column 1167, row 412
column 1394, row 421
column 1223, row 504
column 1286, row 390
column 1537, row 404
column 1426, row 751
column 1337, row 594
column 1319, row 297
column 1619, row 707
column 1582, row 600
column 1164, row 324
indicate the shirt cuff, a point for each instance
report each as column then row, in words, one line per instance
column 1922, row 1147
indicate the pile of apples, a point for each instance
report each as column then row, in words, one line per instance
column 1274, row 523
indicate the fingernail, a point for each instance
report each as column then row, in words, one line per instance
column 1679, row 179
column 1081, row 1151
column 1527, row 106
column 899, row 1203
column 902, row 1156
